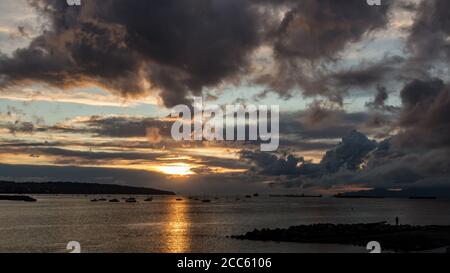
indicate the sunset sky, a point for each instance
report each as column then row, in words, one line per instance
column 85, row 92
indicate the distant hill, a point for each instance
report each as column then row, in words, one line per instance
column 431, row 192
column 7, row 187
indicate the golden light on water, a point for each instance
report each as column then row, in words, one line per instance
column 176, row 230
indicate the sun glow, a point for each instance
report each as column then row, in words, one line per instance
column 175, row 169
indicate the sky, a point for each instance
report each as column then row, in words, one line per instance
column 364, row 93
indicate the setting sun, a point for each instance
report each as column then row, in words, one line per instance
column 175, row 169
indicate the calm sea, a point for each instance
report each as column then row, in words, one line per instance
column 167, row 225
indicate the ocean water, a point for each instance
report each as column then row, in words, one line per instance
column 170, row 226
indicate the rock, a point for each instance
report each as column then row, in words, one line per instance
column 22, row 198
column 403, row 238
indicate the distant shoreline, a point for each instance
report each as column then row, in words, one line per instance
column 410, row 193
column 75, row 188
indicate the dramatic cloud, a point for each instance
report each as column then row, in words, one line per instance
column 379, row 102
column 380, row 98
column 365, row 75
column 429, row 39
column 322, row 120
column 320, row 29
column 349, row 154
column 418, row 156
column 270, row 164
column 314, row 33
column 124, row 127
column 178, row 48
column 359, row 161
column 425, row 116
column 137, row 46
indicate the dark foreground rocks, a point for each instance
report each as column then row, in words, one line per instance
column 22, row 198
column 403, row 238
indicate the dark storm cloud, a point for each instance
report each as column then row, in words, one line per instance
column 349, row 154
column 299, row 144
column 357, row 160
column 429, row 38
column 270, row 164
column 313, row 33
column 395, row 168
column 379, row 102
column 380, row 98
column 320, row 29
column 425, row 116
column 180, row 47
column 366, row 75
column 418, row 155
column 323, row 121
column 420, row 93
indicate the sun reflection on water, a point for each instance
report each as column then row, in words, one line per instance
column 176, row 230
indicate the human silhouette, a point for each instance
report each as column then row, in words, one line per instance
column 397, row 220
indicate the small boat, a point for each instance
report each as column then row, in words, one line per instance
column 256, row 195
column 179, row 199
column 114, row 201
column 248, row 196
column 206, row 201
column 94, row 200
column 102, row 200
column 131, row 200
column 150, row 199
